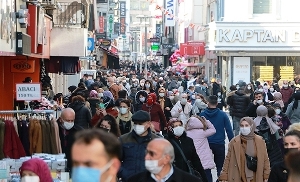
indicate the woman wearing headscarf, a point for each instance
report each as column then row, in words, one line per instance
column 293, row 109
column 199, row 105
column 165, row 102
column 278, row 99
column 140, row 99
column 245, row 145
column 35, row 170
column 268, row 130
column 94, row 100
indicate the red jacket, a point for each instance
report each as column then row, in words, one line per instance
column 96, row 117
column 12, row 147
column 156, row 113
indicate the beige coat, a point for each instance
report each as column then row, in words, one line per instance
column 232, row 165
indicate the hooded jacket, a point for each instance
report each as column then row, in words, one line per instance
column 82, row 114
column 138, row 104
column 194, row 130
column 220, row 121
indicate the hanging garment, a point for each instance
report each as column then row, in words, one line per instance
column 52, row 65
column 2, row 130
column 58, row 142
column 46, row 148
column 69, row 65
column 35, row 136
column 12, row 147
column 52, row 138
column 24, row 135
column 15, row 123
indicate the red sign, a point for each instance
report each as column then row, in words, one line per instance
column 122, row 25
column 192, row 48
column 101, row 24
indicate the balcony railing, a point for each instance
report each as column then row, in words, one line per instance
column 70, row 15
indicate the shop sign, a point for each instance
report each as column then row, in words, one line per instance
column 154, row 40
column 170, row 11
column 122, row 25
column 243, row 36
column 241, row 69
column 266, row 73
column 101, row 24
column 122, row 8
column 192, row 48
column 106, row 42
column 28, row 91
column 22, row 66
column 287, row 73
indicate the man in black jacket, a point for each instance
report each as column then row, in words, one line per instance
column 158, row 161
column 258, row 101
column 238, row 103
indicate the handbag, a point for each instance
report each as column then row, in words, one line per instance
column 192, row 171
column 251, row 162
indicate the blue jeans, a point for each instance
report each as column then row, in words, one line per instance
column 236, row 125
column 219, row 156
column 208, row 175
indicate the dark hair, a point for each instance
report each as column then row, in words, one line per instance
column 110, row 142
column 213, row 100
column 292, row 161
column 151, row 85
column 78, row 98
column 232, row 87
column 257, row 93
column 114, row 127
column 293, row 133
column 271, row 111
column 122, row 94
column 126, row 101
column 81, row 85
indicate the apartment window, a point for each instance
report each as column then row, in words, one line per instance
column 262, row 6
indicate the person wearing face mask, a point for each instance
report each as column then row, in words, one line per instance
column 178, row 138
column 281, row 117
column 269, row 131
column 157, row 116
column 67, row 130
column 165, row 103
column 159, row 164
column 142, row 84
column 286, row 92
column 148, row 87
column 199, row 105
column 258, row 101
column 246, row 145
column 268, row 97
column 140, row 99
column 134, row 144
column 291, row 142
column 182, row 109
column 95, row 156
column 124, row 119
column 109, row 124
column 272, row 90
column 249, row 91
column 94, row 100
column 216, row 85
column 221, row 102
column 35, row 170
column 113, row 87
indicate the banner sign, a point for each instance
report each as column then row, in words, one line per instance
column 158, row 30
column 122, row 8
column 123, row 25
column 28, row 91
column 169, row 18
column 101, row 24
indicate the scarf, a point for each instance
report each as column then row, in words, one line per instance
column 122, row 118
column 262, row 112
column 250, row 146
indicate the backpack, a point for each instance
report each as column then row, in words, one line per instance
column 265, row 133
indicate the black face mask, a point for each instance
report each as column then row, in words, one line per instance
column 105, row 129
column 286, row 151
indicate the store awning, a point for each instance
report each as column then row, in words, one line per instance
column 109, row 52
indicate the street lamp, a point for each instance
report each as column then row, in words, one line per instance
column 145, row 18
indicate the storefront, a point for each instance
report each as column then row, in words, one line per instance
column 21, row 53
column 250, row 51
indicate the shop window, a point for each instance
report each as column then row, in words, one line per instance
column 262, row 6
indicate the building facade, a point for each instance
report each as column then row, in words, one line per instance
column 259, row 40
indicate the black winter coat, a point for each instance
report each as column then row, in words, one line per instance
column 82, row 114
column 238, row 103
column 177, row 176
column 187, row 146
column 93, row 103
column 279, row 173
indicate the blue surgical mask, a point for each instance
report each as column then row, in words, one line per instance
column 83, row 174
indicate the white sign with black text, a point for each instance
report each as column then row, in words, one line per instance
column 169, row 17
column 28, row 91
column 241, row 69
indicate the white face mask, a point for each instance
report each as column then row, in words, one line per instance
column 171, row 97
column 261, row 90
column 193, row 97
column 178, row 131
column 278, row 111
column 219, row 94
column 271, row 89
column 245, row 130
column 123, row 110
column 147, row 85
column 139, row 129
column 142, row 99
column 198, row 100
column 161, row 94
column 152, row 166
column 183, row 101
column 238, row 87
column 30, row 179
column 285, row 85
column 180, row 82
column 68, row 125
column 249, row 87
column 259, row 101
column 100, row 95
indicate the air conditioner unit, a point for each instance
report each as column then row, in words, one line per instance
column 23, row 44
